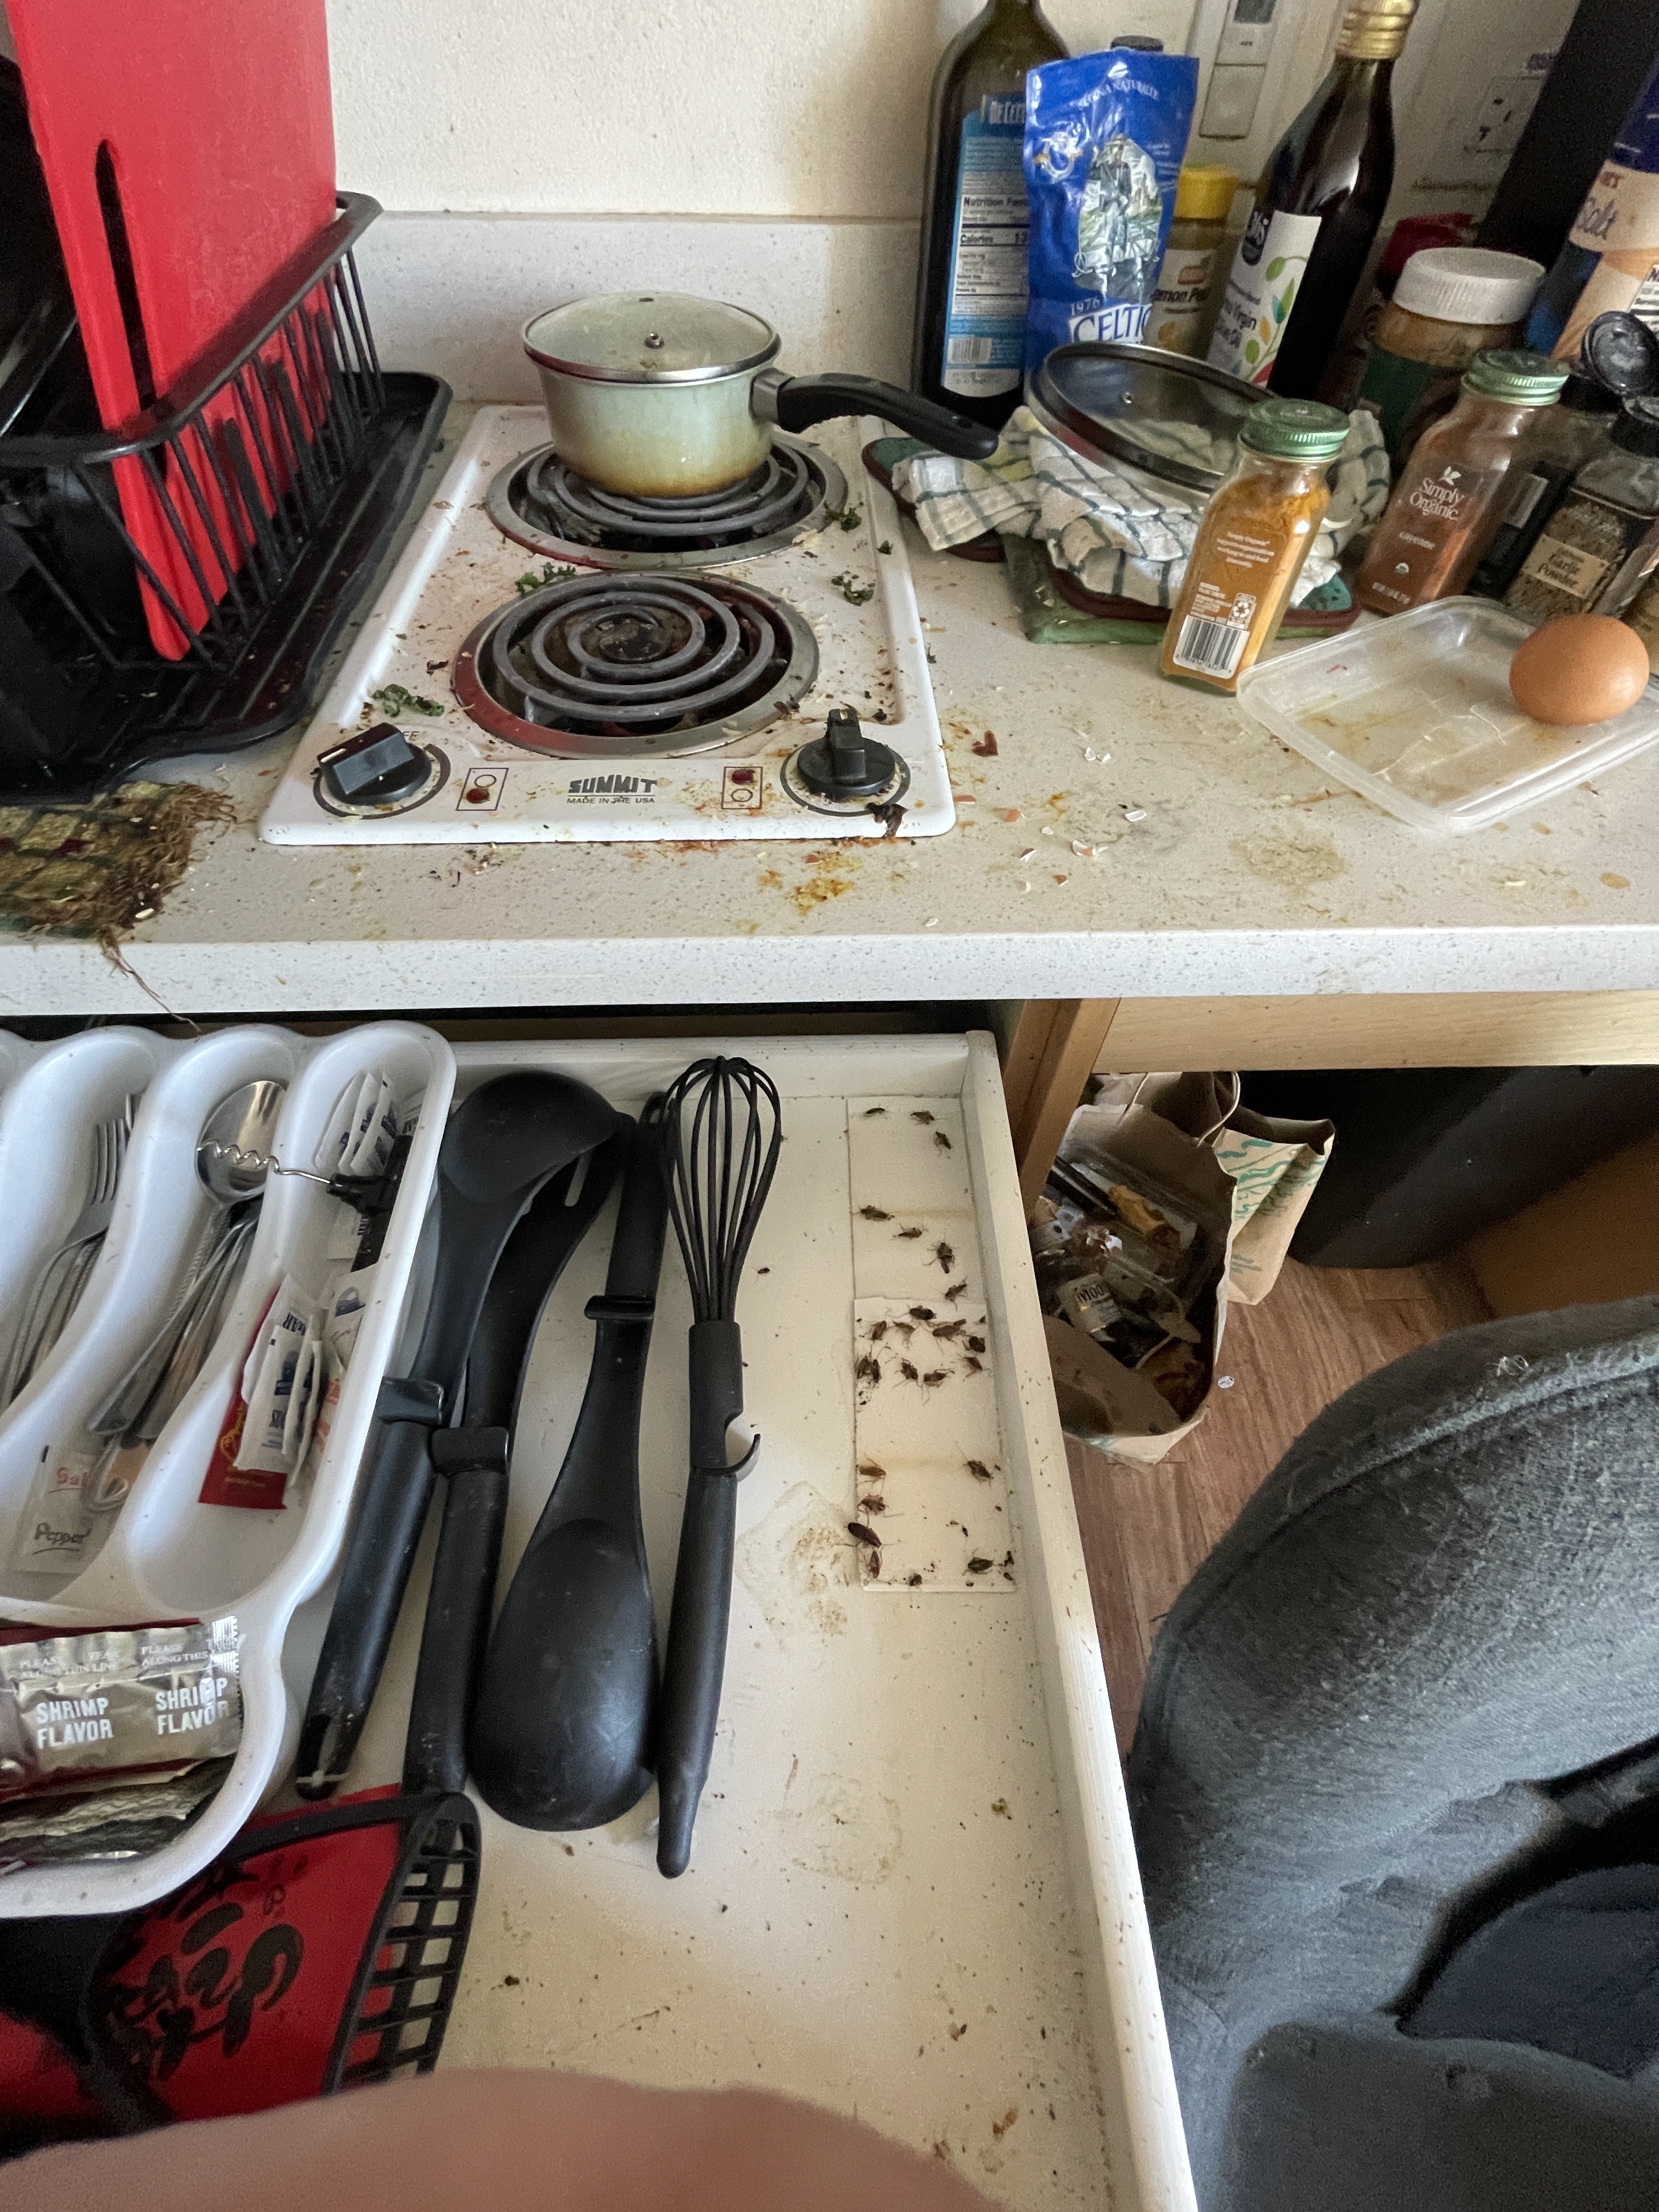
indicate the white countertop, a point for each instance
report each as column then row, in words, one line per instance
column 1235, row 876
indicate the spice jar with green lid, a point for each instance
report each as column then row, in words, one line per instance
column 1449, row 500
column 1257, row 531
column 1602, row 540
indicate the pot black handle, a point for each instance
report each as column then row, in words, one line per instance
column 798, row 401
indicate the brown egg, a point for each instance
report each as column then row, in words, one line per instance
column 1579, row 669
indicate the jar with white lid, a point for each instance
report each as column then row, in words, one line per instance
column 1452, row 303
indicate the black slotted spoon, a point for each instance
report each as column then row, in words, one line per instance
column 721, row 1128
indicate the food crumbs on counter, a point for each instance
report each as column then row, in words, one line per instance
column 854, row 593
column 999, row 2128
column 1062, row 879
column 985, row 747
column 932, row 922
column 885, row 546
column 1515, row 883
column 1084, row 852
column 1134, row 814
column 1616, row 883
column 1029, row 853
column 1024, row 886
column 1224, row 1382
column 1543, row 828
column 1012, row 814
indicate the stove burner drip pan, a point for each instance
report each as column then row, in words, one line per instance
column 626, row 665
column 543, row 503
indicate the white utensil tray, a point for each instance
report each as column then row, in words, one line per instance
column 914, row 1893
column 167, row 1555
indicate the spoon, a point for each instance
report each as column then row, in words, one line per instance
column 561, row 1735
column 232, row 1165
column 501, row 1145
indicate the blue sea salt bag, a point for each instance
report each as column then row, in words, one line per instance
column 1104, row 136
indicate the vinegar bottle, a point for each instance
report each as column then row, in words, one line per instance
column 1317, row 215
column 969, row 348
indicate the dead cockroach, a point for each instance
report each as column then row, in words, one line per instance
column 953, row 1291
column 941, row 1141
column 979, row 1566
column 878, row 1330
column 908, row 1371
column 868, row 1370
column 945, row 1256
column 915, row 1581
column 871, row 1472
column 906, row 1329
column 921, row 1312
column 946, row 1332
column 874, row 1505
column 931, row 1382
column 870, row 1112
column 872, row 1213
column 975, row 1366
column 976, row 1344
column 926, row 1118
column 910, row 1232
column 978, row 1469
column 869, row 1536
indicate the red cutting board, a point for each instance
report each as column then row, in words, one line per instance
column 209, row 120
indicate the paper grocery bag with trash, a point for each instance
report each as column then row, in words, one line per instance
column 1167, row 1199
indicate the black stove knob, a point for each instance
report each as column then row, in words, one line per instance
column 845, row 764
column 377, row 768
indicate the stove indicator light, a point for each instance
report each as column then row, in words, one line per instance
column 743, row 789
column 481, row 791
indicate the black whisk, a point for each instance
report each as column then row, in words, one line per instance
column 720, row 1137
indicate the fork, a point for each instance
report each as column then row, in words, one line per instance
column 58, row 1286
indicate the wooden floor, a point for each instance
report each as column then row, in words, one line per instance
column 1319, row 1329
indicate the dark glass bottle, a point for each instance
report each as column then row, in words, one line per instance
column 970, row 340
column 1317, row 215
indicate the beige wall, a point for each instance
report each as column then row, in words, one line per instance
column 724, row 108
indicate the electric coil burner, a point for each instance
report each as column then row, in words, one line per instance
column 748, row 665
column 625, row 665
column 543, row 504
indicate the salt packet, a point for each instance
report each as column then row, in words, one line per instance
column 1104, row 136
column 55, row 1531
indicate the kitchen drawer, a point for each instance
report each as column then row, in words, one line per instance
column 914, row 1893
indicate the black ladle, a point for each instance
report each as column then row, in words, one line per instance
column 501, row 1145
column 562, row 1732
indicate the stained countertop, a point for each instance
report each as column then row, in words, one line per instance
column 1117, row 836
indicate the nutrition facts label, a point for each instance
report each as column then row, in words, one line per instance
column 985, row 314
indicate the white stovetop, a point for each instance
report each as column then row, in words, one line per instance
column 1200, row 858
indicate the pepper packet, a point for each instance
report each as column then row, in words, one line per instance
column 1104, row 136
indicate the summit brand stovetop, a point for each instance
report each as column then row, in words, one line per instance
column 550, row 664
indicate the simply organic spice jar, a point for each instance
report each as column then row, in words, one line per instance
column 1257, row 531
column 1449, row 500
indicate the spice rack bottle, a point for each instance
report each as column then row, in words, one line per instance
column 1257, row 531
column 1449, row 500
column 1603, row 541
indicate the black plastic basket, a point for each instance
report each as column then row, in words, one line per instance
column 273, row 491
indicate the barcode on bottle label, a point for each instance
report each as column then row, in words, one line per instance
column 971, row 353
column 1211, row 647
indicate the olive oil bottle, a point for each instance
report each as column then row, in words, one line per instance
column 968, row 352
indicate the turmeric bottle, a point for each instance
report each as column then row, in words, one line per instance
column 1257, row 531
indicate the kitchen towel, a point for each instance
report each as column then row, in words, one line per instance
column 1122, row 533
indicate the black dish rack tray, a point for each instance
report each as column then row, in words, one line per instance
column 85, row 698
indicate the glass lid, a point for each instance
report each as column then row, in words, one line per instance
column 1176, row 418
column 649, row 337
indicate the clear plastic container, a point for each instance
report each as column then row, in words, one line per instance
column 1416, row 715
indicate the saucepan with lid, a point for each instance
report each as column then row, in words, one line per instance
column 661, row 395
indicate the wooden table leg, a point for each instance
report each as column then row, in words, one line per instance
column 1056, row 1044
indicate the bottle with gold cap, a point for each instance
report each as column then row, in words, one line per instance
column 1187, row 279
column 1316, row 215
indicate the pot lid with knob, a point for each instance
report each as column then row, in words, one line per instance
column 650, row 338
